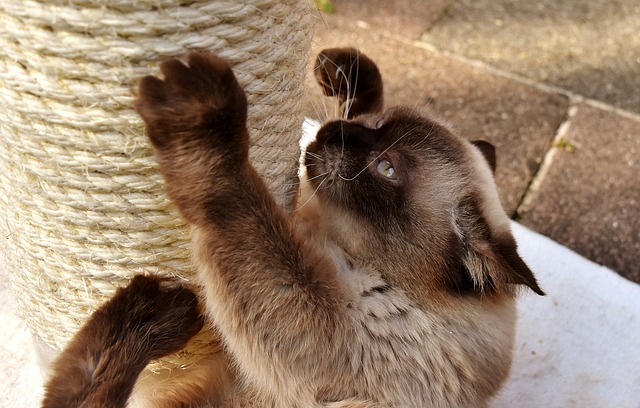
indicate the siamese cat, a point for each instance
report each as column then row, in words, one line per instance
column 392, row 285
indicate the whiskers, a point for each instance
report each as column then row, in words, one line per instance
column 343, row 81
column 315, row 156
column 317, row 176
column 308, row 200
column 341, row 85
column 344, row 84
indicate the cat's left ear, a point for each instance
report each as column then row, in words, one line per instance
column 488, row 151
column 489, row 259
column 503, row 264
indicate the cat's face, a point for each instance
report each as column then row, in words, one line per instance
column 389, row 169
column 420, row 201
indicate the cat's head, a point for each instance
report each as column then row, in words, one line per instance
column 408, row 193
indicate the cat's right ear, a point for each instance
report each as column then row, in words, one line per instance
column 488, row 152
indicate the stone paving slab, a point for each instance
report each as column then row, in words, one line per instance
column 588, row 198
column 518, row 119
column 591, row 47
column 408, row 18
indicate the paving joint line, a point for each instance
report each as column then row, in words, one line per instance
column 533, row 188
column 574, row 98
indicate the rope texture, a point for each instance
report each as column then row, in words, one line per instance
column 83, row 204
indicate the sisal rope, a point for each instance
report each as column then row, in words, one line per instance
column 83, row 204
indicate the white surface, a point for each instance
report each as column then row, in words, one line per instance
column 577, row 347
column 20, row 377
column 580, row 345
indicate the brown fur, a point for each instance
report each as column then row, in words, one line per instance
column 380, row 291
column 144, row 321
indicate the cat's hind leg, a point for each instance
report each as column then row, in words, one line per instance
column 146, row 320
column 209, row 382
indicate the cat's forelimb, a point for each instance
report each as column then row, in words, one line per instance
column 273, row 298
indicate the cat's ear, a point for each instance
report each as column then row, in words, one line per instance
column 488, row 151
column 495, row 265
column 488, row 256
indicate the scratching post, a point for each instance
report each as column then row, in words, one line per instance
column 83, row 206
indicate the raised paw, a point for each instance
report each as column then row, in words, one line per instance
column 155, row 314
column 352, row 77
column 197, row 101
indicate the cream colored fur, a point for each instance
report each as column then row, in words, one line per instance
column 334, row 306
column 385, row 348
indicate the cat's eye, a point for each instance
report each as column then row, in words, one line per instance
column 385, row 168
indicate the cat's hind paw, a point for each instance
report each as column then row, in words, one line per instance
column 156, row 315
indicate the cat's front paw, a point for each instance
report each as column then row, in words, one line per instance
column 156, row 315
column 198, row 103
column 348, row 74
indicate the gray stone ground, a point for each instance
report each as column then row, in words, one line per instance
column 591, row 47
column 554, row 85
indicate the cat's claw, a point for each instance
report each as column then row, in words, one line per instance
column 199, row 99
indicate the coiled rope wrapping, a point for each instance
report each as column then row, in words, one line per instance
column 83, row 204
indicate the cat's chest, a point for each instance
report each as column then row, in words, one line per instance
column 372, row 303
column 378, row 308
